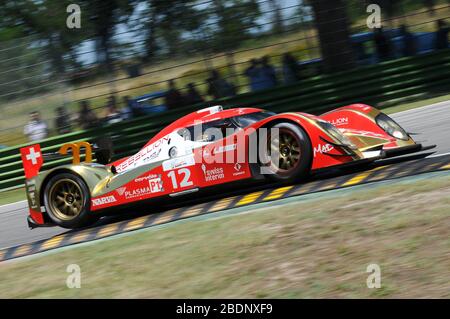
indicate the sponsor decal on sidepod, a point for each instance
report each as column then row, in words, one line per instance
column 103, row 200
column 322, row 149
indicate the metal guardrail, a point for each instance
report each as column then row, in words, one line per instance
column 372, row 84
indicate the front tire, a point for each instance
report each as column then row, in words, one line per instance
column 67, row 201
column 294, row 152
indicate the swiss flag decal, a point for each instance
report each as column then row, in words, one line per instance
column 32, row 160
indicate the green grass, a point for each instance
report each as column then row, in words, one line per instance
column 316, row 247
column 12, row 196
column 416, row 104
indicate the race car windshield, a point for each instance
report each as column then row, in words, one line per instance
column 248, row 119
column 208, row 132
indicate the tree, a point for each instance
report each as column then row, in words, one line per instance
column 165, row 22
column 334, row 36
column 45, row 21
column 235, row 21
column 103, row 17
column 278, row 26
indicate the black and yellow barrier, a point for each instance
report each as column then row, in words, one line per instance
column 378, row 173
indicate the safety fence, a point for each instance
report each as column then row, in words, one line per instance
column 380, row 85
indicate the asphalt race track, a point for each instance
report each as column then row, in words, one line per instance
column 432, row 122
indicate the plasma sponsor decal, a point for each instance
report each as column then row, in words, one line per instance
column 154, row 186
column 103, row 200
column 178, row 163
column 321, row 149
column 121, row 190
column 213, row 174
column 339, row 121
column 238, row 170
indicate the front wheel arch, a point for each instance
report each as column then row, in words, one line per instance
column 306, row 147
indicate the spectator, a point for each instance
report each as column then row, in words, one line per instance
column 291, row 69
column 127, row 109
column 441, row 35
column 112, row 114
column 268, row 74
column 218, row 87
column 86, row 117
column 36, row 129
column 409, row 43
column 62, row 123
column 192, row 95
column 253, row 72
column 382, row 44
column 173, row 97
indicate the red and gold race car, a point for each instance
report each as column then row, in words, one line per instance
column 206, row 149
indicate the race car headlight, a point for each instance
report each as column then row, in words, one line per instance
column 336, row 134
column 391, row 127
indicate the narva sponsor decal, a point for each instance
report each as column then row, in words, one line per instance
column 103, row 200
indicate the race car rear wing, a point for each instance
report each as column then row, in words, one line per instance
column 33, row 158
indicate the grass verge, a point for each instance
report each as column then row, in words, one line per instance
column 416, row 104
column 316, row 247
column 12, row 196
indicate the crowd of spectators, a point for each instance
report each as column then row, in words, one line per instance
column 260, row 73
column 384, row 46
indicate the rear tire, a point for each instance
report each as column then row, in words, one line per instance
column 295, row 154
column 67, row 201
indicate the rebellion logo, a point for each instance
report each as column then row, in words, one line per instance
column 103, row 200
column 339, row 121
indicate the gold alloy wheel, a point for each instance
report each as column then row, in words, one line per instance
column 288, row 150
column 66, row 199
